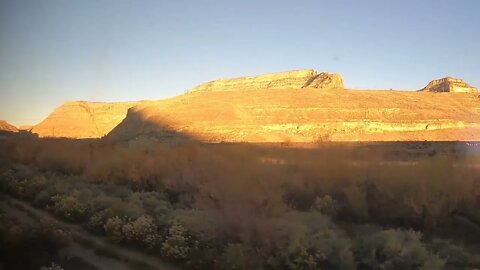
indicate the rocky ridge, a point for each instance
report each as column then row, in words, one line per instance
column 449, row 84
column 276, row 111
column 305, row 78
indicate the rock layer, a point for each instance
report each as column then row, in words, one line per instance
column 279, row 107
column 291, row 79
column 451, row 85
column 81, row 119
column 283, row 115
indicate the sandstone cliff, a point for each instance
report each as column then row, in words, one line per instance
column 291, row 79
column 81, row 119
column 276, row 111
column 283, row 115
column 7, row 127
column 449, row 84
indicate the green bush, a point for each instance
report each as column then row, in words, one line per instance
column 325, row 205
column 96, row 223
column 113, row 229
column 239, row 257
column 178, row 243
column 395, row 249
column 456, row 255
column 308, row 241
column 142, row 231
column 69, row 207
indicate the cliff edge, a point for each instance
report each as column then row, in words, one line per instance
column 449, row 84
column 305, row 78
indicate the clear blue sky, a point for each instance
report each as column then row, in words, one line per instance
column 52, row 51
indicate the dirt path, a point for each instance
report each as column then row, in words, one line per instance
column 82, row 238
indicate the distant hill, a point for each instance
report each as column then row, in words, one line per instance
column 449, row 84
column 247, row 111
column 7, row 127
column 81, row 119
column 295, row 106
column 304, row 78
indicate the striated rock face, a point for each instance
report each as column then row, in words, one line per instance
column 449, row 84
column 291, row 79
column 283, row 115
column 81, row 119
column 326, row 81
column 7, row 127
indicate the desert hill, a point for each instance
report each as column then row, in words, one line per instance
column 81, row 119
column 7, row 127
column 449, row 84
column 295, row 113
column 291, row 79
column 296, row 106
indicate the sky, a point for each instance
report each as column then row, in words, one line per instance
column 118, row 50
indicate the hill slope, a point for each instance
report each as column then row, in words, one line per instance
column 449, row 84
column 306, row 115
column 7, row 127
column 81, row 119
column 298, row 106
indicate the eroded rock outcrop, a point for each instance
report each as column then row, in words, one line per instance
column 290, row 79
column 449, row 84
column 81, row 119
column 7, row 127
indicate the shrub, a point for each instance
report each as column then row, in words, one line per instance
column 142, row 231
column 395, row 249
column 357, row 200
column 178, row 244
column 113, row 229
column 308, row 241
column 69, row 207
column 456, row 255
column 325, row 205
column 96, row 222
column 239, row 257
column 35, row 185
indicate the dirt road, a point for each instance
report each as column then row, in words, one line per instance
column 111, row 255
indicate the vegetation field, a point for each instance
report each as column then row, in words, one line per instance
column 395, row 205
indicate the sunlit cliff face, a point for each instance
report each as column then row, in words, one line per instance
column 290, row 79
column 296, row 106
column 451, row 85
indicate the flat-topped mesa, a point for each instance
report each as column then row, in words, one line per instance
column 449, row 84
column 291, row 79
